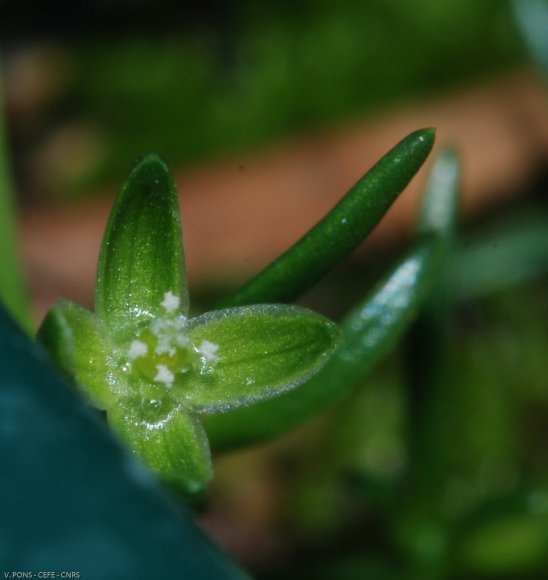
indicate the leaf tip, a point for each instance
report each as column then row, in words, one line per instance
column 427, row 134
column 149, row 167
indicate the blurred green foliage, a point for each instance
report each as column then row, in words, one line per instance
column 353, row 507
column 194, row 87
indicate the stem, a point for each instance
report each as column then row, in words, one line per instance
column 428, row 351
column 12, row 286
column 428, row 344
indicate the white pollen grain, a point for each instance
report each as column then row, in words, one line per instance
column 137, row 349
column 171, row 302
column 164, row 375
column 208, row 350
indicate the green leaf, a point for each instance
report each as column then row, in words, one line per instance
column 171, row 441
column 504, row 538
column 142, row 261
column 13, row 289
column 368, row 332
column 342, row 229
column 428, row 349
column 440, row 204
column 257, row 353
column 73, row 337
column 514, row 246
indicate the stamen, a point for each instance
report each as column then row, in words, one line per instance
column 137, row 349
column 164, row 375
column 171, row 302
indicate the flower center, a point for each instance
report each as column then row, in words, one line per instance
column 163, row 351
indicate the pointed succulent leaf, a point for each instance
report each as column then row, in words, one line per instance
column 73, row 337
column 141, row 272
column 171, row 441
column 342, row 229
column 254, row 353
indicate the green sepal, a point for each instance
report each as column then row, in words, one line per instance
column 368, row 332
column 169, row 439
column 260, row 352
column 73, row 337
column 142, row 255
column 340, row 232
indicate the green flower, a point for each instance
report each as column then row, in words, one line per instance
column 153, row 369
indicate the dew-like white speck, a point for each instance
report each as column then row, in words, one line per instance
column 171, row 302
column 137, row 349
column 208, row 350
column 164, row 375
